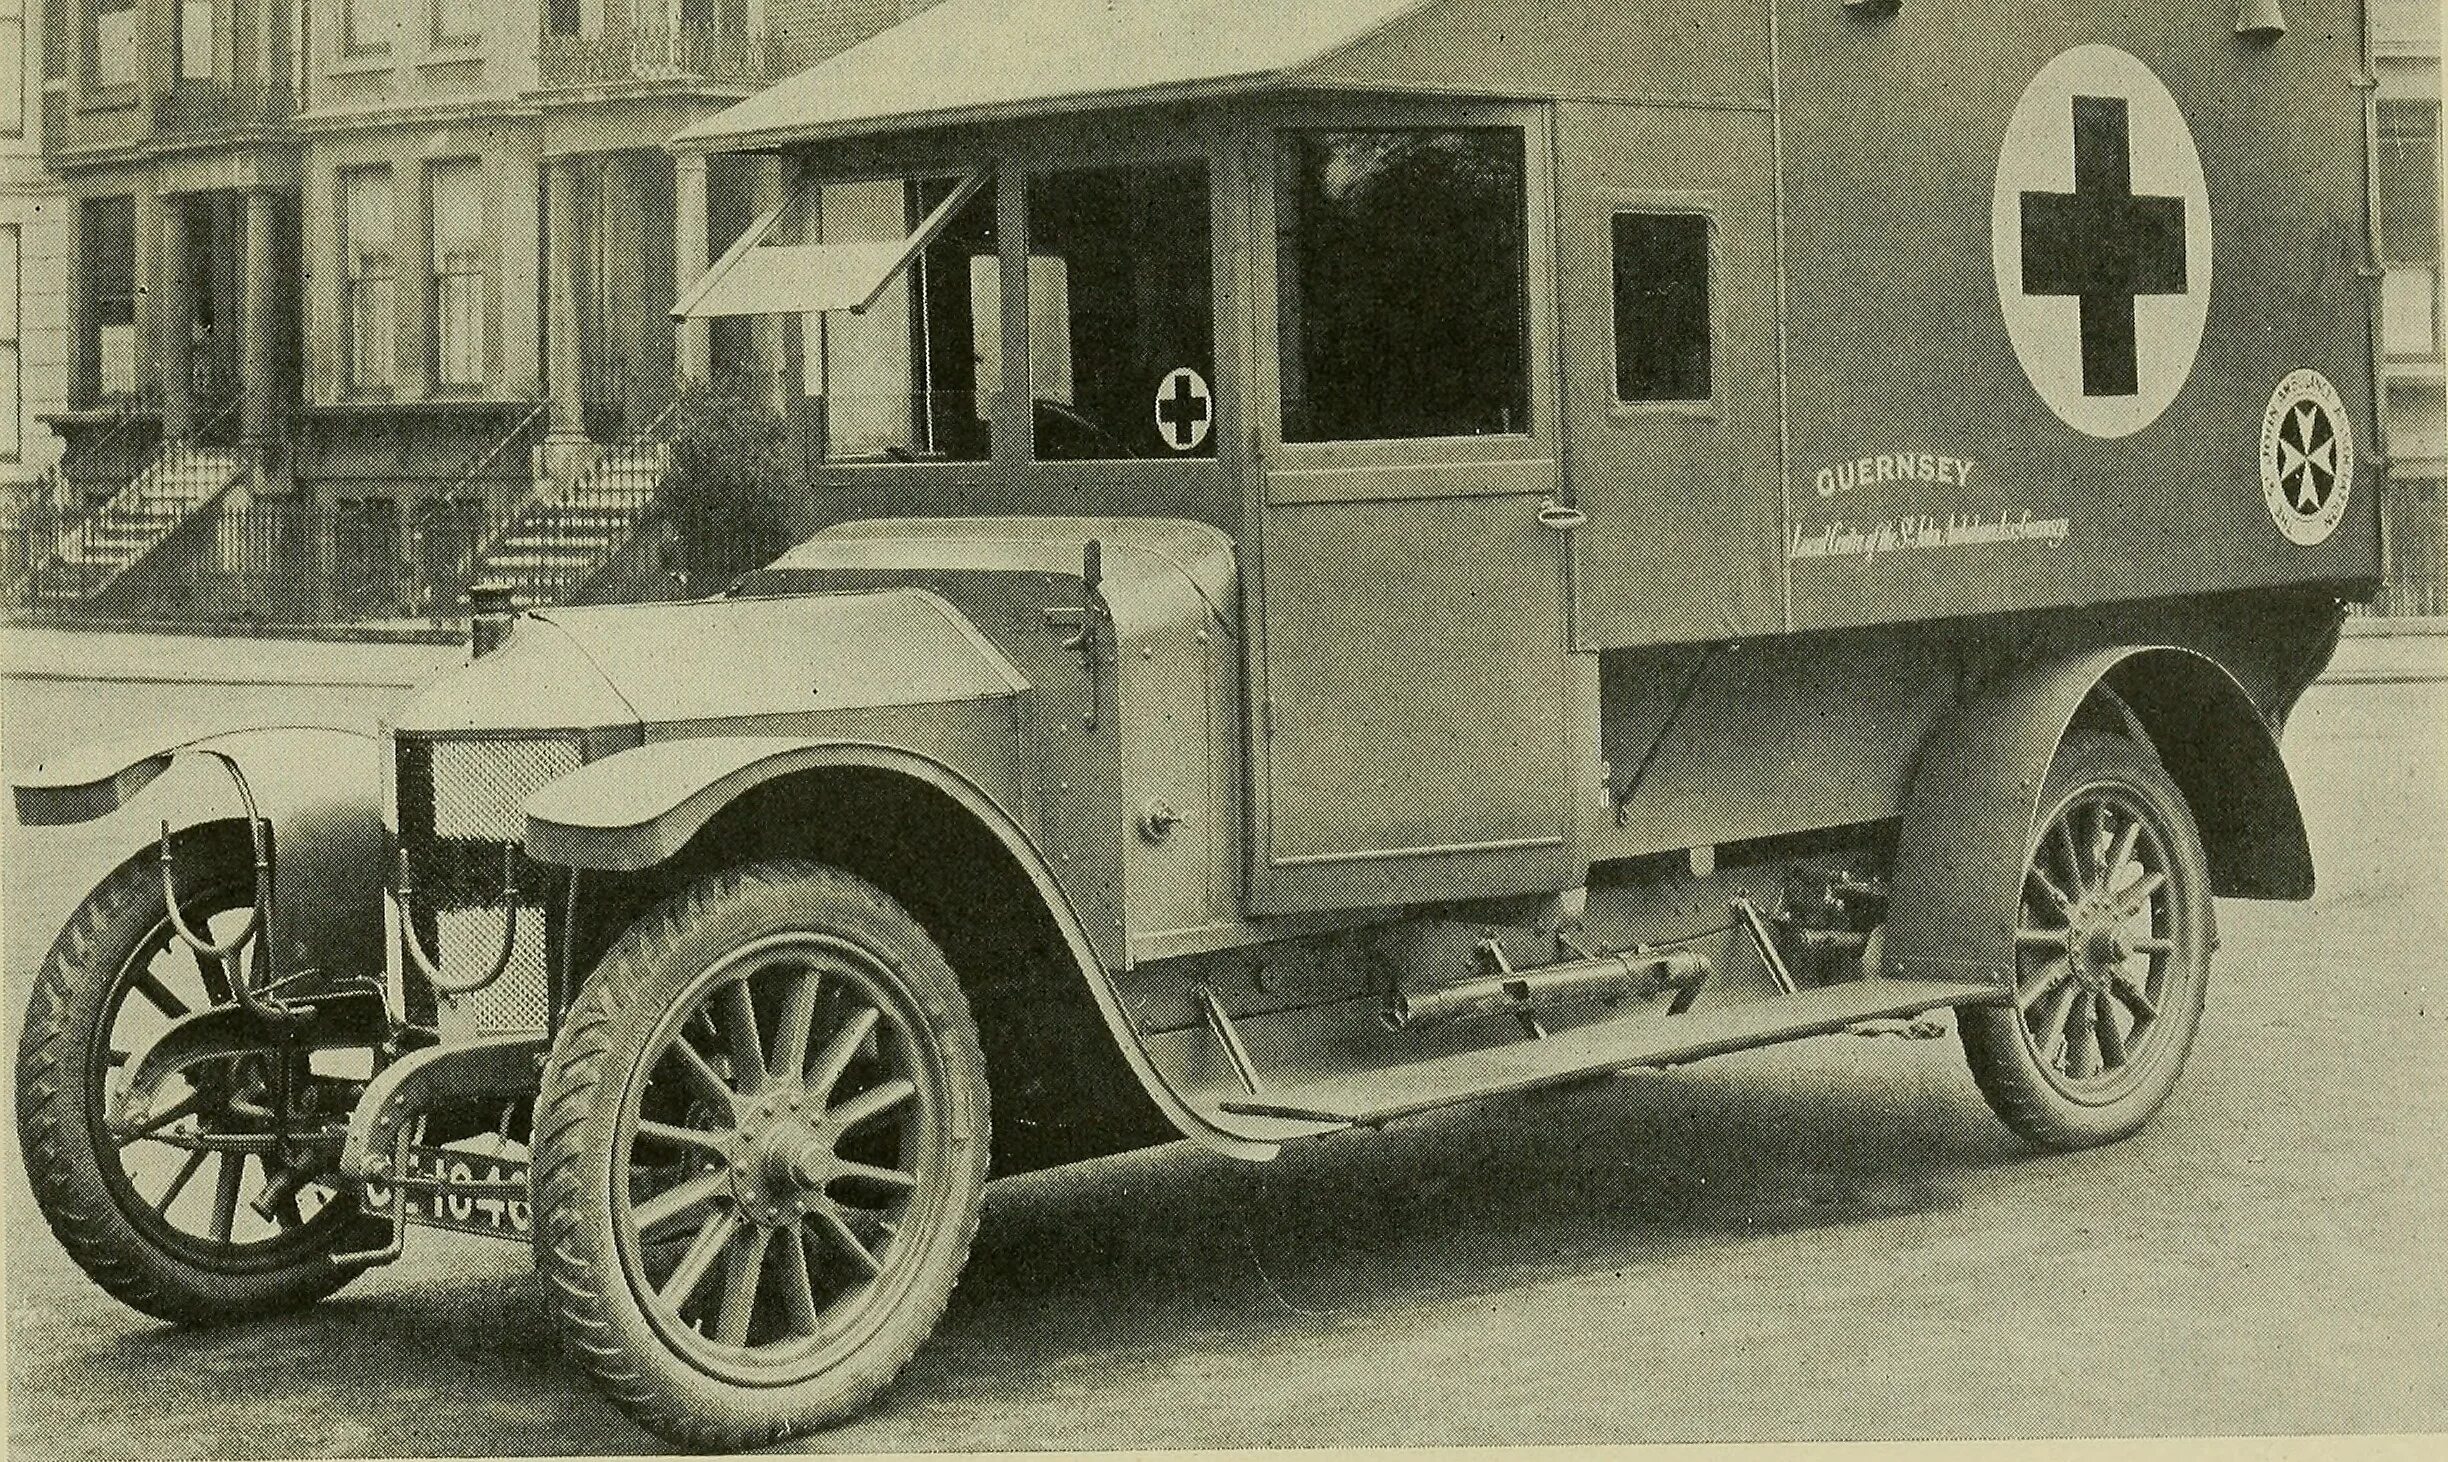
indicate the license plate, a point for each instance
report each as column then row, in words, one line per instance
column 459, row 1204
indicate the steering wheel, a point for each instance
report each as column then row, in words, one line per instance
column 1080, row 437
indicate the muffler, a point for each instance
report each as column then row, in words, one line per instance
column 1504, row 990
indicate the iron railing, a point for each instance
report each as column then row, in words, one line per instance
column 566, row 534
column 273, row 561
column 449, row 531
column 95, row 540
column 102, row 460
column 656, row 50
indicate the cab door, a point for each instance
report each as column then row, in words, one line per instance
column 1420, row 727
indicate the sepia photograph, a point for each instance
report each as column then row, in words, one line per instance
column 1112, row 726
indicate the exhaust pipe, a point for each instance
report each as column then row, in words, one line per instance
column 1519, row 993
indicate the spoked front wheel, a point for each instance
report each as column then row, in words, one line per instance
column 761, row 1151
column 2113, row 953
column 198, row 1212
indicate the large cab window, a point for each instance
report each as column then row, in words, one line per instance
column 1402, row 297
column 1122, row 312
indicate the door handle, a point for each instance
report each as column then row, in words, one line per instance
column 1562, row 517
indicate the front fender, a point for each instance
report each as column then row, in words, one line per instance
column 319, row 788
column 636, row 809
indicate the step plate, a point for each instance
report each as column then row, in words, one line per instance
column 1370, row 1098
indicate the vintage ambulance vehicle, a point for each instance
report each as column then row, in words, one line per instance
column 1357, row 557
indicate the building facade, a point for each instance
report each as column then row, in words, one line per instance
column 34, row 247
column 414, row 257
column 2414, row 299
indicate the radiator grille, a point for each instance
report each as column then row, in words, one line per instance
column 458, row 814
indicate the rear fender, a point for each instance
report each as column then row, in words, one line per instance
column 318, row 787
column 1970, row 819
column 636, row 809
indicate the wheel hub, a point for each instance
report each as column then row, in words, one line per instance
column 783, row 1156
column 2096, row 940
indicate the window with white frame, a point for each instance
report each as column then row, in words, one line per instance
column 12, row 68
column 2409, row 198
column 461, row 270
column 199, row 38
column 114, row 43
column 107, row 311
column 12, row 385
column 369, row 308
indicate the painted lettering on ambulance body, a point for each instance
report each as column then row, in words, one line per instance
column 1862, row 472
column 1921, row 531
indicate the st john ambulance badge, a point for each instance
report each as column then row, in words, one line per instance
column 2307, row 457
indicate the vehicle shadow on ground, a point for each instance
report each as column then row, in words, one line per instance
column 1084, row 1276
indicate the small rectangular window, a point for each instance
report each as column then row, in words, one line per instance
column 1662, row 307
column 199, row 26
column 1402, row 285
column 366, row 25
column 1122, row 313
column 457, row 22
column 564, row 17
column 12, row 68
column 2409, row 207
column 369, row 311
column 461, row 270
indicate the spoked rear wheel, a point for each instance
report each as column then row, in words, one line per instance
column 196, row 1215
column 761, row 1150
column 2112, row 953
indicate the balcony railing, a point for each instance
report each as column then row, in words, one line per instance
column 656, row 51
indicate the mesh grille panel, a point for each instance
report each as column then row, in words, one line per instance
column 458, row 813
column 470, row 939
column 478, row 785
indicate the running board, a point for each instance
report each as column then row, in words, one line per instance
column 1371, row 1098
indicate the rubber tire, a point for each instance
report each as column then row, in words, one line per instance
column 603, row 1327
column 59, row 1118
column 2003, row 1064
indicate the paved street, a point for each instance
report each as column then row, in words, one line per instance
column 1828, row 1241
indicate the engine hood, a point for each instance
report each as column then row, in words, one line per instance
column 539, row 680
column 721, row 660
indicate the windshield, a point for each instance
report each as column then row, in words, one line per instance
column 910, row 378
column 898, row 284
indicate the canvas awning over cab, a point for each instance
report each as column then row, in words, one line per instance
column 980, row 60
